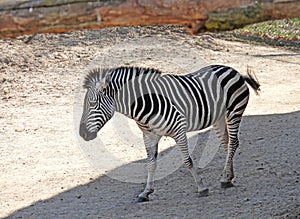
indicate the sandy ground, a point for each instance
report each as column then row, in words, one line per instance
column 46, row 173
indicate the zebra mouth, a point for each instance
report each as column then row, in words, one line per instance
column 85, row 134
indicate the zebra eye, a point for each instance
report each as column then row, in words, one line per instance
column 93, row 103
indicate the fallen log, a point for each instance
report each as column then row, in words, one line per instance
column 20, row 17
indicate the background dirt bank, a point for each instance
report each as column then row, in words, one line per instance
column 44, row 173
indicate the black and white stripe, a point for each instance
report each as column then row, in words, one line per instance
column 170, row 105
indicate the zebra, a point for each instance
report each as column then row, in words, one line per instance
column 170, row 105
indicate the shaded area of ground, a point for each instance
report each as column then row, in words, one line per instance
column 266, row 186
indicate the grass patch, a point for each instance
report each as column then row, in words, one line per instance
column 276, row 33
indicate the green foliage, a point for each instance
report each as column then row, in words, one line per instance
column 287, row 29
column 280, row 33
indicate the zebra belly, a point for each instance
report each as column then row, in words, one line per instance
column 195, row 125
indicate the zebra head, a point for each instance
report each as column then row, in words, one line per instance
column 98, row 105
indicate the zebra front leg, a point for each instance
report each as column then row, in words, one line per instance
column 151, row 144
column 182, row 144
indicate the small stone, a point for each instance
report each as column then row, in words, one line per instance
column 246, row 199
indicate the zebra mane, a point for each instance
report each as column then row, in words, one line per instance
column 97, row 74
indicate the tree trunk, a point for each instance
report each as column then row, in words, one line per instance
column 54, row 16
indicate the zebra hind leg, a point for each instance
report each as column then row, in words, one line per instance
column 233, row 143
column 182, row 144
column 220, row 128
column 151, row 144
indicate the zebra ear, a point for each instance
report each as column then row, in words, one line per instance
column 103, row 83
column 99, row 85
column 106, row 81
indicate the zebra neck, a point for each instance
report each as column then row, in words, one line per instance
column 127, row 85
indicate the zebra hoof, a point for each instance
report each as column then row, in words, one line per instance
column 225, row 185
column 203, row 193
column 142, row 199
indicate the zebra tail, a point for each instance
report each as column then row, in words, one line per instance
column 252, row 80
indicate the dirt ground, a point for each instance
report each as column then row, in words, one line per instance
column 45, row 173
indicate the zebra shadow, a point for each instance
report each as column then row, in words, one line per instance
column 266, row 184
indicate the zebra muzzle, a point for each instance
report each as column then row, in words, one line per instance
column 85, row 134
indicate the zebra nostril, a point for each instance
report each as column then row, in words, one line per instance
column 85, row 134
column 83, row 131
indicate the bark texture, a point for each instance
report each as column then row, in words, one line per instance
column 20, row 17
